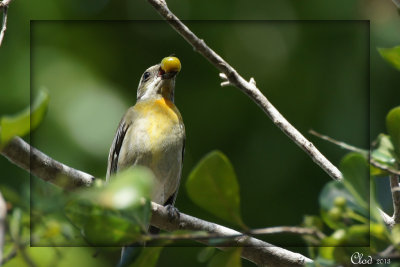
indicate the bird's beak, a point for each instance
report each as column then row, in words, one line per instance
column 169, row 67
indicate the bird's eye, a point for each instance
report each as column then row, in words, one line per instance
column 146, row 76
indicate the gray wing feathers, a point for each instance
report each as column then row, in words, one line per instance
column 115, row 149
column 172, row 199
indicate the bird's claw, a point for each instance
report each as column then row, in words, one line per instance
column 173, row 213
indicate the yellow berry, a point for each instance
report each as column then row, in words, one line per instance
column 340, row 202
column 170, row 64
column 335, row 213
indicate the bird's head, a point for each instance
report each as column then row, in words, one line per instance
column 159, row 80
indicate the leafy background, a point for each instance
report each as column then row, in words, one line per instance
column 315, row 72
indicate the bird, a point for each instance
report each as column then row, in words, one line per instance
column 152, row 134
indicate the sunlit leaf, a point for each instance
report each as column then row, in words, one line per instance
column 213, row 185
column 117, row 213
column 384, row 153
column 393, row 128
column 356, row 177
column 358, row 235
column 27, row 120
column 391, row 55
column 337, row 238
column 342, row 243
column 230, row 258
column 325, row 256
column 15, row 224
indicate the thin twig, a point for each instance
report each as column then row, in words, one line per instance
column 288, row 230
column 231, row 77
column 394, row 183
column 358, row 150
column 39, row 164
column 255, row 250
column 4, row 6
column 48, row 169
column 339, row 143
column 4, row 24
column 3, row 214
column 262, row 231
column 384, row 167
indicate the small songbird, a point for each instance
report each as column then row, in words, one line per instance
column 152, row 133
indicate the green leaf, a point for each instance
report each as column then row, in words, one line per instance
column 393, row 128
column 27, row 120
column 230, row 258
column 358, row 235
column 148, row 257
column 205, row 254
column 396, row 234
column 356, row 177
column 117, row 213
column 391, row 55
column 327, row 197
column 13, row 197
column 213, row 185
column 15, row 224
column 384, row 153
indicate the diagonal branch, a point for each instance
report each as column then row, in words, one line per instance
column 249, row 88
column 4, row 5
column 364, row 152
column 261, row 253
column 39, row 164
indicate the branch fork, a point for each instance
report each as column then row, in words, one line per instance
column 225, row 81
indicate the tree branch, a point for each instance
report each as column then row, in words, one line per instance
column 255, row 250
column 249, row 88
column 261, row 231
column 386, row 218
column 358, row 150
column 261, row 253
column 384, row 167
column 4, row 5
column 39, row 164
column 339, row 143
column 289, row 230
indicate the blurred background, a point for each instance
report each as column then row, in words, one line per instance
column 316, row 62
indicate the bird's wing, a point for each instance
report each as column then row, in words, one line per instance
column 116, row 147
column 171, row 199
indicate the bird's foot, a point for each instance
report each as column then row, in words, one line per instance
column 173, row 213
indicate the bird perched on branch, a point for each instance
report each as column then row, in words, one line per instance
column 152, row 133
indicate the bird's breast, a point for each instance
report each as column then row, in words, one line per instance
column 155, row 139
column 157, row 130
